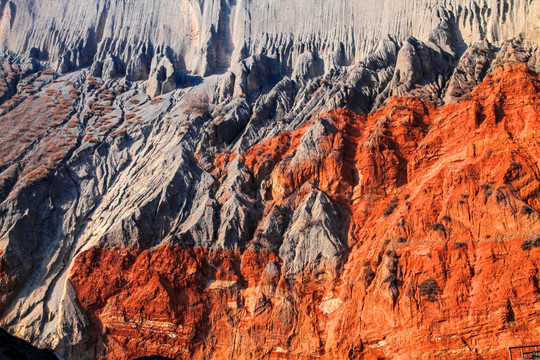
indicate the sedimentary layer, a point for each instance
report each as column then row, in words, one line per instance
column 189, row 178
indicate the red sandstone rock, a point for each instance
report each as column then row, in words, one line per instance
column 441, row 200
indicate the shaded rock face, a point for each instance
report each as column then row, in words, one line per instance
column 12, row 348
column 314, row 197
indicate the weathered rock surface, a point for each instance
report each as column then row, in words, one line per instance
column 353, row 235
column 207, row 37
column 470, row 71
column 148, row 210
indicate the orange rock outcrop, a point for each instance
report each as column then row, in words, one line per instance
column 443, row 246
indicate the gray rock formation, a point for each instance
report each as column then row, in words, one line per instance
column 308, row 65
column 162, row 76
column 210, row 36
column 312, row 239
column 470, row 71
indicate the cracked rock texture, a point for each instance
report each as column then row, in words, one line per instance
column 351, row 184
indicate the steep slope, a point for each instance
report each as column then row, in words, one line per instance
column 206, row 37
column 148, row 207
column 437, row 206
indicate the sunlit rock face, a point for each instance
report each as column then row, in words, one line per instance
column 207, row 37
column 435, row 206
column 270, row 179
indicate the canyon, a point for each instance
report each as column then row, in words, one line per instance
column 219, row 179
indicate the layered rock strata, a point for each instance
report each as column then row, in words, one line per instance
column 412, row 223
column 143, row 206
column 438, row 211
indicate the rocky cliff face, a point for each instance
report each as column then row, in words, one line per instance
column 206, row 37
column 414, row 225
column 199, row 180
